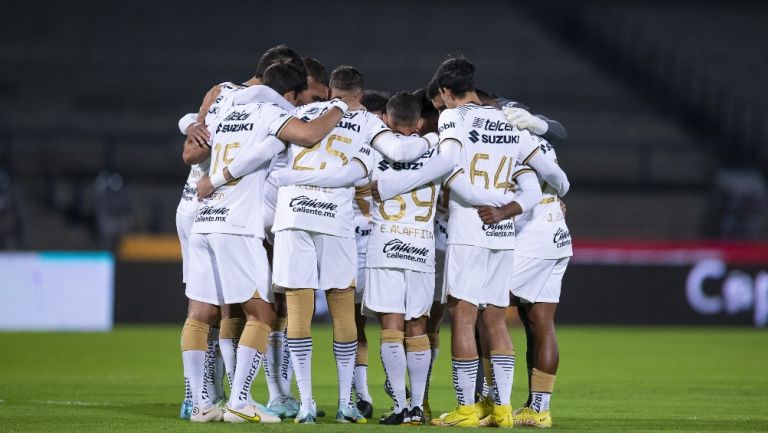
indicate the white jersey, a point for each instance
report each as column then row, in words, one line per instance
column 188, row 204
column 490, row 148
column 317, row 209
column 441, row 220
column 237, row 207
column 403, row 235
column 541, row 231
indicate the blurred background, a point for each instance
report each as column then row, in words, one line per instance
column 665, row 104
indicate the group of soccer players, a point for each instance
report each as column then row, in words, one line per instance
column 295, row 187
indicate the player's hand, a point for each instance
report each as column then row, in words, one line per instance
column 353, row 103
column 522, row 119
column 199, row 133
column 562, row 207
column 204, row 188
column 491, row 214
column 375, row 191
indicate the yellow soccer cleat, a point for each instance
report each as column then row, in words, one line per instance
column 484, row 407
column 502, row 416
column 463, row 416
column 487, row 421
column 528, row 417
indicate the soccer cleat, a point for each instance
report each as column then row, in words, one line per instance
column 306, row 414
column 528, row 417
column 395, row 418
column 365, row 408
column 284, row 407
column 484, row 407
column 349, row 414
column 487, row 421
column 186, row 410
column 209, row 414
column 502, row 416
column 464, row 415
column 416, row 416
column 253, row 412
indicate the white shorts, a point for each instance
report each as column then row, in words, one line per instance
column 401, row 291
column 362, row 247
column 227, row 269
column 311, row 260
column 439, row 275
column 478, row 275
column 183, row 227
column 538, row 280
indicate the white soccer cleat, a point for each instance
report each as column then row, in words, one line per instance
column 250, row 413
column 209, row 414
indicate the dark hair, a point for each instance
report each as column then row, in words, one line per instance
column 346, row 78
column 486, row 98
column 428, row 110
column 456, row 75
column 316, row 70
column 279, row 54
column 432, row 89
column 374, row 101
column 284, row 78
column 404, row 108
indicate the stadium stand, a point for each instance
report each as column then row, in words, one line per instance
column 101, row 90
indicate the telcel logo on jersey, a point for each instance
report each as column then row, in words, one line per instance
column 562, row 238
column 500, row 230
column 397, row 249
column 313, row 206
column 236, row 116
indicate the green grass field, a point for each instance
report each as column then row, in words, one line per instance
column 610, row 379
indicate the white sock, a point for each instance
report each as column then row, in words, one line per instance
column 540, row 401
column 248, row 364
column 272, row 365
column 464, row 378
column 418, row 369
column 228, row 348
column 503, row 367
column 187, row 388
column 345, row 354
column 194, row 364
column 212, row 381
column 301, row 357
column 286, row 367
column 361, row 383
column 393, row 359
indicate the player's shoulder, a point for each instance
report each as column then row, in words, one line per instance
column 229, row 86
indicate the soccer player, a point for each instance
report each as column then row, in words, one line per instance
column 541, row 258
column 229, row 264
column 375, row 101
column 314, row 226
column 480, row 142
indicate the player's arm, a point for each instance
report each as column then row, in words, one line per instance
column 306, row 134
column 260, row 93
column 359, row 167
column 460, row 185
column 402, row 149
column 248, row 160
column 194, row 153
column 536, row 124
column 193, row 124
column 395, row 183
column 528, row 196
column 532, row 156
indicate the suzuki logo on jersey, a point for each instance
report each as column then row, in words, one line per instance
column 397, row 249
column 237, row 115
column 445, row 126
column 498, row 139
column 349, row 125
column 500, row 230
column 473, row 136
column 562, row 238
column 235, row 128
column 385, row 165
